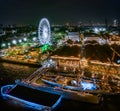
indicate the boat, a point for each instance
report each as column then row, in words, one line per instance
column 30, row 98
column 57, row 84
column 66, row 93
column 85, row 86
column 74, row 93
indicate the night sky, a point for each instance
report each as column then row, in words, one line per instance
column 58, row 12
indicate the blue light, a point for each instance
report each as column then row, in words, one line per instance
column 5, row 95
column 6, row 89
column 24, row 103
column 28, row 104
column 57, row 102
column 118, row 61
column 88, row 86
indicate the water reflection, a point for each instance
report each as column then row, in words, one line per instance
column 10, row 72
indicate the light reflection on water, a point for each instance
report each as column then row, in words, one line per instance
column 10, row 72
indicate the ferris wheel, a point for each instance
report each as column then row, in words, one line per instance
column 44, row 31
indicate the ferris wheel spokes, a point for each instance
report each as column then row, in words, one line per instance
column 44, row 32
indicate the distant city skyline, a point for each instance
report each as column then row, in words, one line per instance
column 58, row 12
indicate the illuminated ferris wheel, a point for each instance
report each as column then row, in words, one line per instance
column 44, row 32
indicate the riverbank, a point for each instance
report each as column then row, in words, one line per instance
column 20, row 62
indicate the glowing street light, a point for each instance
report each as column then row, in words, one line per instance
column 14, row 42
column 96, row 30
column 9, row 44
column 25, row 39
column 19, row 40
column 3, row 45
column 34, row 38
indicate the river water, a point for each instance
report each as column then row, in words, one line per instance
column 10, row 72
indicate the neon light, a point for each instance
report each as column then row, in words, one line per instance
column 21, row 101
column 57, row 102
column 25, row 103
column 45, row 48
column 7, row 87
column 28, row 104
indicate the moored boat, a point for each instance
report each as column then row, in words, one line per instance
column 30, row 98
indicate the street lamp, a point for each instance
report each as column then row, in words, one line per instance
column 19, row 40
column 3, row 45
column 34, row 38
column 9, row 44
column 14, row 42
column 25, row 39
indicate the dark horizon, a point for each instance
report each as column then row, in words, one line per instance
column 58, row 12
